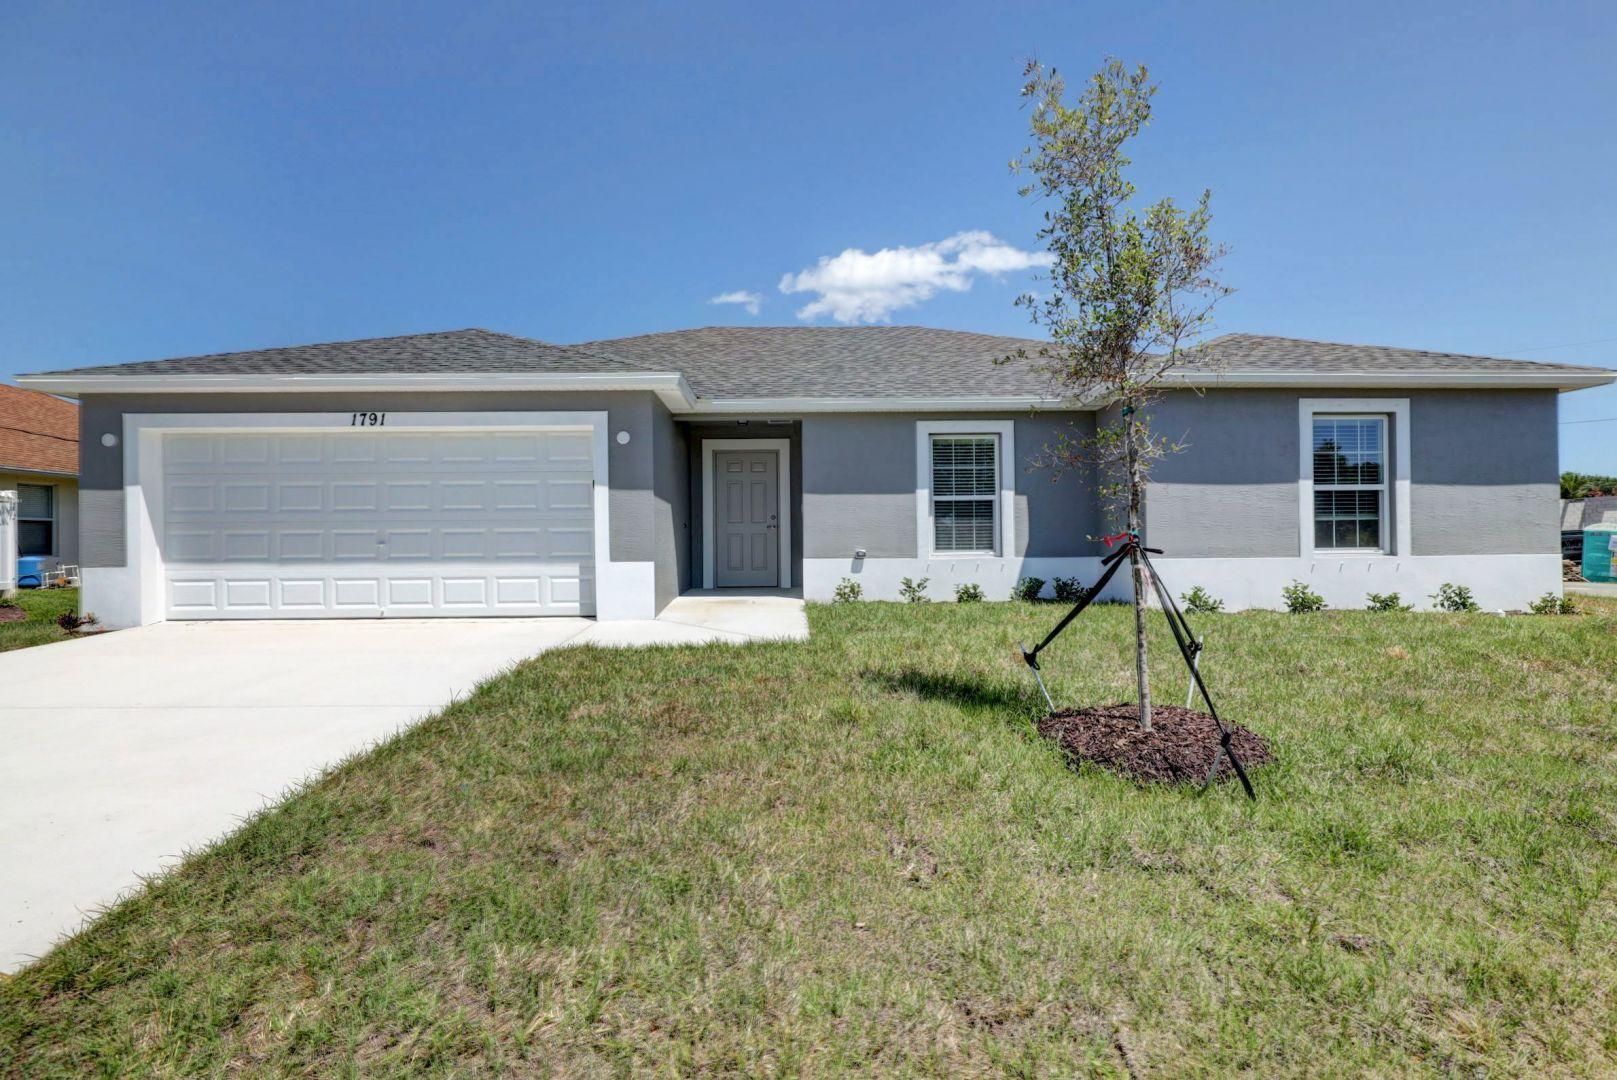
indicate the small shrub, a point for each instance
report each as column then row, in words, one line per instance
column 1198, row 601
column 1550, row 604
column 1457, row 598
column 1028, row 588
column 914, row 592
column 968, row 594
column 70, row 621
column 1389, row 601
column 1069, row 590
column 848, row 591
column 1300, row 599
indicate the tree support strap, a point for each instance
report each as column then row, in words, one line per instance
column 1189, row 647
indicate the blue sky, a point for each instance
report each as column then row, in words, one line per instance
column 224, row 176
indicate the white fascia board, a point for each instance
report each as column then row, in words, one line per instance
column 675, row 391
column 724, row 406
column 669, row 385
column 1455, row 380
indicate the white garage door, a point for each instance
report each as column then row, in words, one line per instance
column 354, row 524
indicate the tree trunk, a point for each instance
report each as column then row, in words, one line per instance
column 1142, row 674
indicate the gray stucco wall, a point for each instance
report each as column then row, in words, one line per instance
column 630, row 467
column 761, row 428
column 1483, row 472
column 672, row 505
column 859, row 485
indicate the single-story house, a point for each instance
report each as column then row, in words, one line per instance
column 39, row 460
column 475, row 473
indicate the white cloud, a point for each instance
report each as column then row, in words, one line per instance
column 861, row 286
column 748, row 300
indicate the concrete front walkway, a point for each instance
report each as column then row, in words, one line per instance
column 120, row 752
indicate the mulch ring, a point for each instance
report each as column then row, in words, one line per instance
column 11, row 613
column 1178, row 749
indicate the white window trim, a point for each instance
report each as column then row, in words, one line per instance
column 1005, row 530
column 56, row 544
column 1398, row 410
column 622, row 590
column 783, row 496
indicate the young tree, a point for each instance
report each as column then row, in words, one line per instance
column 1131, row 288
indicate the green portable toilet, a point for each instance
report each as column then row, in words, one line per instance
column 1599, row 558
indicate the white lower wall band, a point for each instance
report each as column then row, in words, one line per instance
column 1497, row 581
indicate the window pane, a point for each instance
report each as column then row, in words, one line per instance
column 34, row 537
column 1347, row 519
column 1369, row 532
column 963, row 465
column 963, row 525
column 965, row 489
column 36, row 501
column 1348, row 451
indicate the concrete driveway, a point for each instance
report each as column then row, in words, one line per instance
column 119, row 753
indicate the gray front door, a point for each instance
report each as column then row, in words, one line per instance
column 746, row 529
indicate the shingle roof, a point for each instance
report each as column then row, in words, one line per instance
column 444, row 351
column 1264, row 352
column 826, row 362
column 38, row 432
column 834, row 361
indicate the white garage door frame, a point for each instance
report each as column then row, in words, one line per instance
column 133, row 595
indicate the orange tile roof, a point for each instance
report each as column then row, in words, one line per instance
column 38, row 432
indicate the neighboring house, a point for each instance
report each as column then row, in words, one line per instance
column 1582, row 513
column 39, row 460
column 475, row 473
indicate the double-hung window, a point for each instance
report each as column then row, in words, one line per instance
column 1350, row 483
column 965, row 494
column 36, row 519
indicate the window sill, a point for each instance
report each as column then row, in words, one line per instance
column 946, row 556
column 1350, row 553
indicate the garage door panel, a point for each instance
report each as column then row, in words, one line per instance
column 465, row 592
column 188, row 497
column 354, row 495
column 193, row 594
column 249, row 546
column 356, row 592
column 294, row 544
column 300, row 449
column 245, row 450
column 301, row 525
column 302, row 593
column 300, row 496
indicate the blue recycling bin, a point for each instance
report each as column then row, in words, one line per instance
column 31, row 570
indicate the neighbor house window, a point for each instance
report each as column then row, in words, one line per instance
column 965, row 493
column 36, row 519
column 1350, row 483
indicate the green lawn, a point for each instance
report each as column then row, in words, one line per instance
column 42, row 606
column 856, row 854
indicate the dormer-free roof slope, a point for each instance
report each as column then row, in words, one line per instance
column 794, row 364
